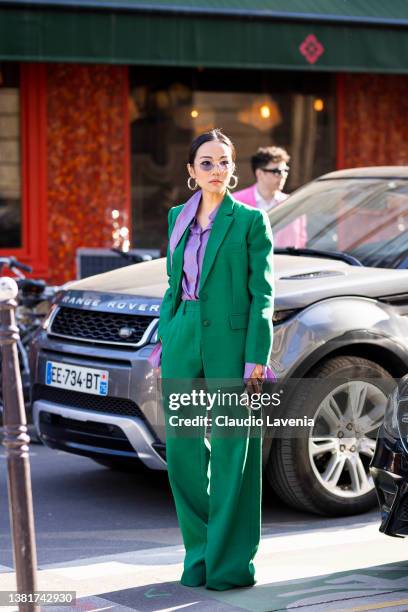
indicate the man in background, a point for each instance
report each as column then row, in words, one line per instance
column 270, row 167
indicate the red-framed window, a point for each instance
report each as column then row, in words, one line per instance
column 23, row 164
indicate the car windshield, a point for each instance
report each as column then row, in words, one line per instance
column 366, row 218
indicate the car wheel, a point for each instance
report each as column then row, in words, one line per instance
column 325, row 469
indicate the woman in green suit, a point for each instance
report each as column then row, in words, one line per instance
column 215, row 323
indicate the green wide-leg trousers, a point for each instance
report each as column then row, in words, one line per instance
column 216, row 483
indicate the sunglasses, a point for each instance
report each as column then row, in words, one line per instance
column 277, row 171
column 207, row 165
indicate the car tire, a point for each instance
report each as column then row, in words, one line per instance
column 292, row 469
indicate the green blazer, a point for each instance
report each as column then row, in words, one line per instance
column 236, row 289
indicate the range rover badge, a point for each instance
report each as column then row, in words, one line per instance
column 126, row 332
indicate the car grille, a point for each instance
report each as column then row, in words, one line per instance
column 98, row 326
column 87, row 401
column 94, row 403
column 63, row 432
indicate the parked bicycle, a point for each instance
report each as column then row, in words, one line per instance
column 34, row 299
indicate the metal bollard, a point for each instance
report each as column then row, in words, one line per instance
column 16, row 441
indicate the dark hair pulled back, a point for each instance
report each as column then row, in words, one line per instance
column 211, row 136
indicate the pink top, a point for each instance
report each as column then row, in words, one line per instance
column 294, row 234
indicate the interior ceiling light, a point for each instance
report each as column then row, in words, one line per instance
column 262, row 114
column 318, row 105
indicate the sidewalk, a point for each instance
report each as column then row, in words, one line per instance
column 353, row 569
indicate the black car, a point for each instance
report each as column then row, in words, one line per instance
column 389, row 466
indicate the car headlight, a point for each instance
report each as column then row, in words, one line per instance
column 155, row 337
column 279, row 316
column 46, row 321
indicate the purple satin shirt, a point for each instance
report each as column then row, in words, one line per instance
column 192, row 266
column 194, row 257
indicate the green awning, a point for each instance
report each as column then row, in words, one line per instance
column 349, row 11
column 340, row 35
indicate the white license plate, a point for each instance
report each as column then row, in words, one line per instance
column 77, row 378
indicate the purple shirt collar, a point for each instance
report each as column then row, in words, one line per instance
column 183, row 220
column 196, row 227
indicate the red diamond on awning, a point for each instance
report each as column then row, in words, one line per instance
column 311, row 48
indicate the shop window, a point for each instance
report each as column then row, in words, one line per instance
column 10, row 158
column 168, row 108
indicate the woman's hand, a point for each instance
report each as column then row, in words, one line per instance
column 256, row 379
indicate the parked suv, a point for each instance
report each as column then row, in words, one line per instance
column 340, row 323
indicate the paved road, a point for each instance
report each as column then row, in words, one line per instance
column 83, row 509
column 113, row 537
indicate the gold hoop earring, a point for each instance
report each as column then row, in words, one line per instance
column 189, row 186
column 233, row 176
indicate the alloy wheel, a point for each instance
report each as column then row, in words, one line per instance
column 343, row 439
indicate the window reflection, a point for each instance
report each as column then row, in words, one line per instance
column 10, row 181
column 366, row 218
column 169, row 107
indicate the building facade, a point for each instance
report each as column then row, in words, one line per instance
column 100, row 101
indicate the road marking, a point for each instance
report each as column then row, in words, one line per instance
column 313, row 584
column 100, row 609
column 89, row 570
column 377, row 606
column 149, row 593
column 173, row 608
